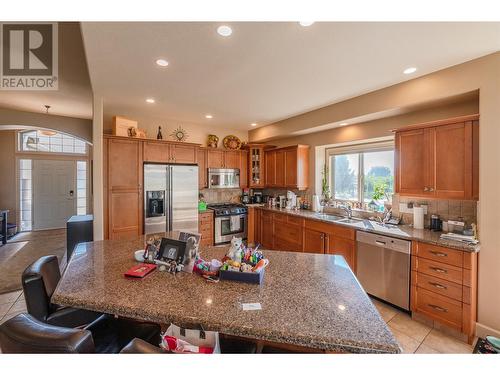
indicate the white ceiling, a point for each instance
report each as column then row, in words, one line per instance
column 265, row 72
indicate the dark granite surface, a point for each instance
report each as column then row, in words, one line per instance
column 310, row 300
column 401, row 231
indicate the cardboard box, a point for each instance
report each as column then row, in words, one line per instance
column 121, row 126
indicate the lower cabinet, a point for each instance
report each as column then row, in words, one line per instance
column 444, row 286
column 281, row 231
column 206, row 228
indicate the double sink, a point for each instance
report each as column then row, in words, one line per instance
column 338, row 219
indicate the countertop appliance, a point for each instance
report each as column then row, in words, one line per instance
column 257, row 197
column 245, row 198
column 170, row 198
column 230, row 220
column 281, row 201
column 223, row 178
column 383, row 267
column 291, row 200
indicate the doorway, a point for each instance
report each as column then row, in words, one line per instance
column 54, row 193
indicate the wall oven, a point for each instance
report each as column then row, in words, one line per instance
column 223, row 178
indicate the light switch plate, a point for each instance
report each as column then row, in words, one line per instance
column 403, row 207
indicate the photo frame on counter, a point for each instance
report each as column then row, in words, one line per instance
column 172, row 250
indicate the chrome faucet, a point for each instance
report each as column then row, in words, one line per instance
column 347, row 209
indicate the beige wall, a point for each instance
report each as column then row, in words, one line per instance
column 78, row 127
column 196, row 133
column 368, row 130
column 8, row 172
column 482, row 74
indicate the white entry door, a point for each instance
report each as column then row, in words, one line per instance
column 54, row 193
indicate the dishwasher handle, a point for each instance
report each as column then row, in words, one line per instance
column 380, row 243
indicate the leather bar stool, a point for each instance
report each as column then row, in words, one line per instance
column 138, row 346
column 25, row 334
column 39, row 281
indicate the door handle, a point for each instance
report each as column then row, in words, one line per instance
column 380, row 243
column 438, row 308
column 439, row 286
column 438, row 253
column 440, row 270
column 71, row 193
column 426, row 188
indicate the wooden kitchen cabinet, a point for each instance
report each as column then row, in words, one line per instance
column 215, row 158
column 243, row 169
column 123, row 187
column 270, row 169
column 267, row 230
column 158, row 152
column 438, row 159
column 206, row 227
column 314, row 241
column 232, row 159
column 444, row 286
column 170, row 152
column 256, row 165
column 288, row 167
column 183, row 153
column 341, row 246
column 202, row 168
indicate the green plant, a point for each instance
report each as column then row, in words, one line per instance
column 379, row 190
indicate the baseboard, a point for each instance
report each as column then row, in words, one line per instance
column 483, row 331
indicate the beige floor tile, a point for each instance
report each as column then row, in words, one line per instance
column 407, row 344
column 9, row 297
column 18, row 307
column 404, row 323
column 424, row 349
column 386, row 312
column 4, row 308
column 446, row 344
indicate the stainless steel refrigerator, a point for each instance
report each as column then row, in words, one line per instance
column 170, row 198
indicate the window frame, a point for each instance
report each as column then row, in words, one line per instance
column 38, row 152
column 360, row 149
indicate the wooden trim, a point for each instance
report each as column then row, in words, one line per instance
column 110, row 136
column 434, row 123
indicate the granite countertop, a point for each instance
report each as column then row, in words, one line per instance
column 310, row 300
column 406, row 232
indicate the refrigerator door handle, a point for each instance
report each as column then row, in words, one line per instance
column 169, row 186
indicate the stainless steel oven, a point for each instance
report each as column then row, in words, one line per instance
column 230, row 220
column 223, row 178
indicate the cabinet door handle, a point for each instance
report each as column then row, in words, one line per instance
column 438, row 308
column 438, row 253
column 431, row 189
column 426, row 188
column 439, row 286
column 437, row 269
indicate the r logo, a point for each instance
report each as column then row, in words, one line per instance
column 29, row 56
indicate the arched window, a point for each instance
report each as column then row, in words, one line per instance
column 50, row 141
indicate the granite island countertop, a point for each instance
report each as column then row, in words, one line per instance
column 309, row 300
column 405, row 232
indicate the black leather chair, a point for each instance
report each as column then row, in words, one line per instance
column 39, row 282
column 138, row 346
column 25, row 334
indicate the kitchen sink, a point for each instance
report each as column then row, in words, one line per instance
column 328, row 217
column 350, row 221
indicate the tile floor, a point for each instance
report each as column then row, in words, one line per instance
column 416, row 337
column 413, row 336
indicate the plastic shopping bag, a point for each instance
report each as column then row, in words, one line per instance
column 181, row 340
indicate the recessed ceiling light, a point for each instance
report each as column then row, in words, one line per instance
column 162, row 62
column 410, row 70
column 209, row 116
column 306, row 23
column 224, row 30
column 253, row 124
column 150, row 100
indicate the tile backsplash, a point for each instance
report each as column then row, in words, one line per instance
column 221, row 195
column 446, row 209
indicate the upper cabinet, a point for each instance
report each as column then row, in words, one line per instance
column 438, row 159
column 256, row 166
column 202, row 168
column 229, row 159
column 287, row 167
column 170, row 152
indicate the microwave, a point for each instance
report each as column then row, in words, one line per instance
column 223, row 178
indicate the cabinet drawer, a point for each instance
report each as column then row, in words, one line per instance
column 440, row 308
column 439, row 270
column 343, row 232
column 284, row 245
column 280, row 217
column 439, row 254
column 439, row 286
column 295, row 220
column 205, row 227
column 289, row 233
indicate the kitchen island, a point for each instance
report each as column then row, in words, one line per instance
column 312, row 301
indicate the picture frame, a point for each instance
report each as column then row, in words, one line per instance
column 172, row 250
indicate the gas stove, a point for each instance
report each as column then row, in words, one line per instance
column 227, row 209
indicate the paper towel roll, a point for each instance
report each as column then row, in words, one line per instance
column 316, row 205
column 418, row 217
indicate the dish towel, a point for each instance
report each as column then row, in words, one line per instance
column 235, row 223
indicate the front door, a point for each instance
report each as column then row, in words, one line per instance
column 54, row 193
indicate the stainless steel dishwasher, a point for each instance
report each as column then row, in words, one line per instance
column 383, row 267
